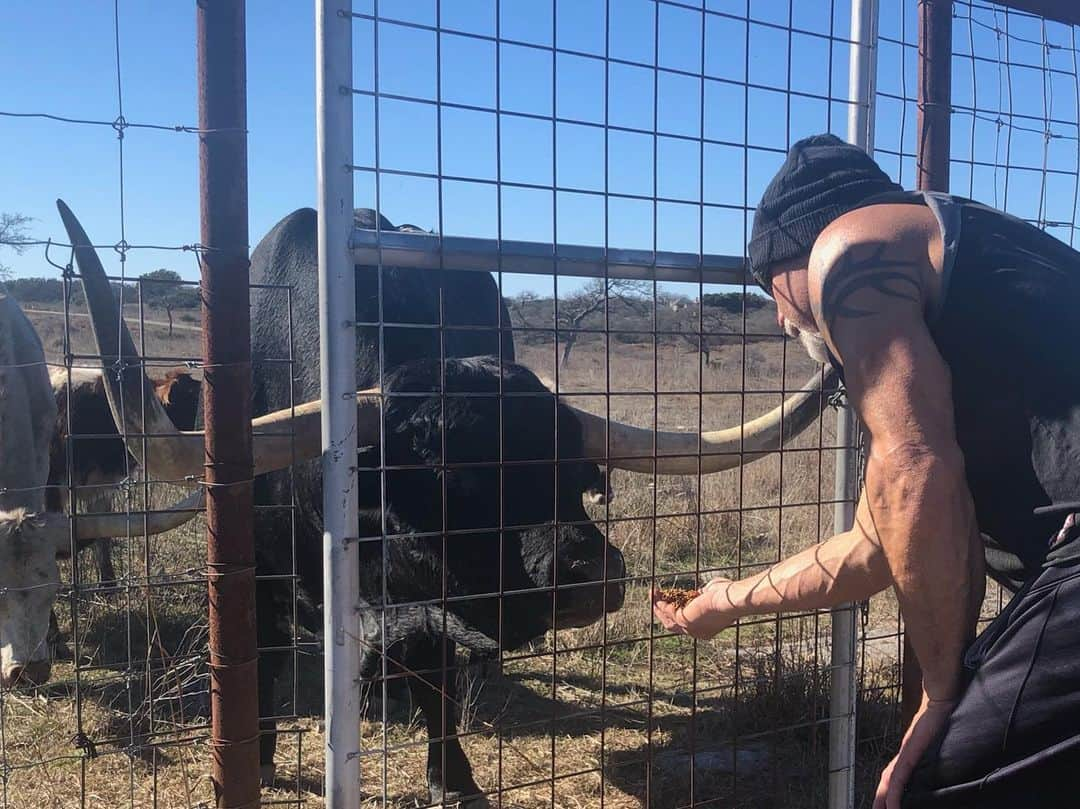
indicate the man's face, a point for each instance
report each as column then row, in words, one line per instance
column 793, row 313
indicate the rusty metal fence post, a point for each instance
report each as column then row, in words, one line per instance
column 230, row 544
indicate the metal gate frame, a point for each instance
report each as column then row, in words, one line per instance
column 339, row 248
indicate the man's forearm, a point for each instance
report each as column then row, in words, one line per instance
column 926, row 524
column 847, row 567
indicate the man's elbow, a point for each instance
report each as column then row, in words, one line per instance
column 866, row 559
column 917, row 464
column 924, row 447
column 876, row 570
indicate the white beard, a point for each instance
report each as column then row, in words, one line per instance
column 811, row 341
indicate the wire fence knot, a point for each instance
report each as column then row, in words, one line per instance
column 85, row 744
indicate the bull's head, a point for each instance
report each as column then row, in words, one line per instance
column 31, row 542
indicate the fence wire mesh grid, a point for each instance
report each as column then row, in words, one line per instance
column 602, row 159
column 124, row 717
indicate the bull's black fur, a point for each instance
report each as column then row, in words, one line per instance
column 418, row 499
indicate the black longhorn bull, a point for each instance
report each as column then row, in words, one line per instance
column 502, row 529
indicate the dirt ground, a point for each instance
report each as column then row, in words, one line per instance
column 742, row 721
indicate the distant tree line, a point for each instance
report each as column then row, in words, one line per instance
column 51, row 290
column 628, row 312
column 734, row 302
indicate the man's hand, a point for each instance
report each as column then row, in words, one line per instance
column 704, row 617
column 929, row 721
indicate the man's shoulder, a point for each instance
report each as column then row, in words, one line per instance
column 892, row 224
column 886, row 252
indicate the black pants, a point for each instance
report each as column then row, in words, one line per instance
column 1014, row 738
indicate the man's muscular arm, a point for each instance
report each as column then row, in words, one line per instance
column 846, row 567
column 870, row 299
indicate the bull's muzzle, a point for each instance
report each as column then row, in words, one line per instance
column 592, row 588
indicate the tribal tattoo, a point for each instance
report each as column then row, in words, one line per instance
column 889, row 276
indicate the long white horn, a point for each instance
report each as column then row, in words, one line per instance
column 102, row 526
column 129, row 391
column 175, row 454
column 280, row 439
column 633, row 448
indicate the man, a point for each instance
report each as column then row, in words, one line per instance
column 954, row 328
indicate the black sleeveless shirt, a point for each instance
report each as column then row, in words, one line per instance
column 1008, row 327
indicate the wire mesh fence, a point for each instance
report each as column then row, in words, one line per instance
column 602, row 162
column 122, row 716
column 567, row 186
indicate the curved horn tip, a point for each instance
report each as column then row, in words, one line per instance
column 63, row 208
column 75, row 230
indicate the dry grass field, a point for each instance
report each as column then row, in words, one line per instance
column 605, row 715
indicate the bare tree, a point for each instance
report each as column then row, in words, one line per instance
column 575, row 309
column 166, row 291
column 13, row 236
column 518, row 306
column 712, row 324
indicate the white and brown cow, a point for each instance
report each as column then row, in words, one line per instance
column 99, row 459
column 32, row 536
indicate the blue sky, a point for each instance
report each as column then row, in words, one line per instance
column 57, row 56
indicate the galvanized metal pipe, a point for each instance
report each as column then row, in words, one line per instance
column 230, row 545
column 932, row 174
column 337, row 355
column 862, row 71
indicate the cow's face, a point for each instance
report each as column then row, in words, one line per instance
column 29, row 580
column 575, row 559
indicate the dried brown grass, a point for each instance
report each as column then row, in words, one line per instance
column 566, row 723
